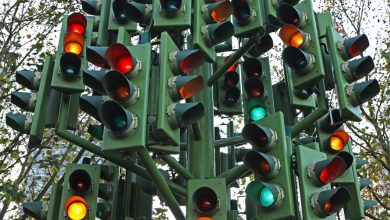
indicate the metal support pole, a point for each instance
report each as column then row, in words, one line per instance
column 162, row 186
column 234, row 173
column 232, row 59
column 237, row 140
column 201, row 152
column 93, row 148
column 177, row 166
column 315, row 115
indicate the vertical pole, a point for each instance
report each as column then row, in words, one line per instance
column 201, row 152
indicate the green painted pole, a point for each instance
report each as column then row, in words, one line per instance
column 232, row 59
column 233, row 174
column 172, row 162
column 236, row 140
column 162, row 186
column 93, row 148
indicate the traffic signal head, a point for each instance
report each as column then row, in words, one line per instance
column 352, row 47
column 184, row 87
column 118, row 120
column 121, row 60
column 325, row 171
column 217, row 33
column 70, row 65
column 92, row 7
column 293, row 36
column 298, row 60
column 184, row 114
column 262, row 138
column 217, row 12
column 205, row 201
column 264, row 165
column 76, row 208
column 288, row 14
column 183, row 62
column 80, row 181
column 119, row 88
column 328, row 202
column 357, row 68
column 266, row 195
column 24, row 100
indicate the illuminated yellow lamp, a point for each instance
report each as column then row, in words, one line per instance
column 293, row 36
column 76, row 208
column 338, row 140
column 204, row 218
column 73, row 43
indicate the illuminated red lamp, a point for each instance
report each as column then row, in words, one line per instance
column 353, row 47
column 325, row 171
column 233, row 67
column 121, row 60
column 77, row 23
column 183, row 62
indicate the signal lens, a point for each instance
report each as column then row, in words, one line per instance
column 266, row 198
column 231, row 79
column 122, row 93
column 358, row 46
column 264, row 167
column 80, row 181
column 120, row 58
column 252, row 67
column 222, row 11
column 192, row 87
column 77, row 23
column 76, row 208
column 204, row 218
column 338, row 140
column 257, row 113
column 70, row 65
column 328, row 207
column 242, row 11
column 254, row 88
column 170, row 6
column 233, row 67
column 292, row 36
column 232, row 95
column 192, row 61
column 333, row 170
column 119, row 123
column 206, row 200
column 73, row 43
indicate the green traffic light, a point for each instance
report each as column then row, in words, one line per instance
column 257, row 113
column 266, row 197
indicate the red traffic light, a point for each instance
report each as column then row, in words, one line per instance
column 121, row 60
column 218, row 11
column 353, row 47
column 262, row 138
column 252, row 67
column 205, row 200
column 288, row 14
column 325, row 171
column 77, row 23
column 233, row 68
column 183, row 62
column 80, row 181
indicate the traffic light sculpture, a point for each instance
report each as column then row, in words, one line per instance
column 315, row 174
column 211, row 26
column 170, row 14
column 258, row 87
column 228, row 90
column 176, row 84
column 37, row 102
column 303, row 53
column 247, row 17
column 127, row 84
column 272, row 189
column 76, row 33
column 207, row 199
column 351, row 96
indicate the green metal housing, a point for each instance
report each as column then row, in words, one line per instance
column 102, row 37
column 54, row 202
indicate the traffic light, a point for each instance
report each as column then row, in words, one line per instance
column 332, row 139
column 127, row 84
column 120, row 12
column 228, row 89
column 272, row 189
column 247, row 18
column 176, row 84
column 81, row 188
column 258, row 87
column 37, row 209
column 350, row 96
column 172, row 14
column 303, row 52
column 76, row 33
column 207, row 199
column 211, row 26
column 271, row 10
column 315, row 174
column 38, row 102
